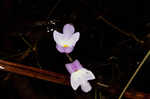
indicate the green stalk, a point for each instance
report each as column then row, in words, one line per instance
column 135, row 73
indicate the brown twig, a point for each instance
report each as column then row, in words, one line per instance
column 129, row 94
column 34, row 72
column 60, row 78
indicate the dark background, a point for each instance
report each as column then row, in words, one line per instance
column 97, row 44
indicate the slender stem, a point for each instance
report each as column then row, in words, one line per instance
column 33, row 49
column 100, row 95
column 14, row 55
column 29, row 45
column 54, row 7
column 133, row 76
column 103, row 85
column 69, row 57
column 95, row 93
column 121, row 31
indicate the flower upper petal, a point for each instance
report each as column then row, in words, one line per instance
column 58, row 37
column 74, row 38
column 68, row 29
column 86, row 87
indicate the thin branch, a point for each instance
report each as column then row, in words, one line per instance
column 128, row 94
column 121, row 31
column 102, row 85
column 34, row 72
column 24, row 55
column 32, row 48
column 59, row 78
column 26, row 42
column 54, row 7
column 133, row 76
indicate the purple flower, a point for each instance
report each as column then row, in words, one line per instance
column 66, row 41
column 79, row 76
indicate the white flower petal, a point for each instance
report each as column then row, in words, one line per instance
column 58, row 37
column 68, row 29
column 86, row 87
column 75, row 80
column 88, row 75
column 74, row 38
column 81, row 77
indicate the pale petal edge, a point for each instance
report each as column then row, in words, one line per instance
column 73, row 40
column 75, row 81
column 86, row 87
column 58, row 37
column 90, row 75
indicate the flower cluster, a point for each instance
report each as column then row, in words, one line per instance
column 65, row 43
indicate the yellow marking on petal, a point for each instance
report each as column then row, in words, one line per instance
column 66, row 46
